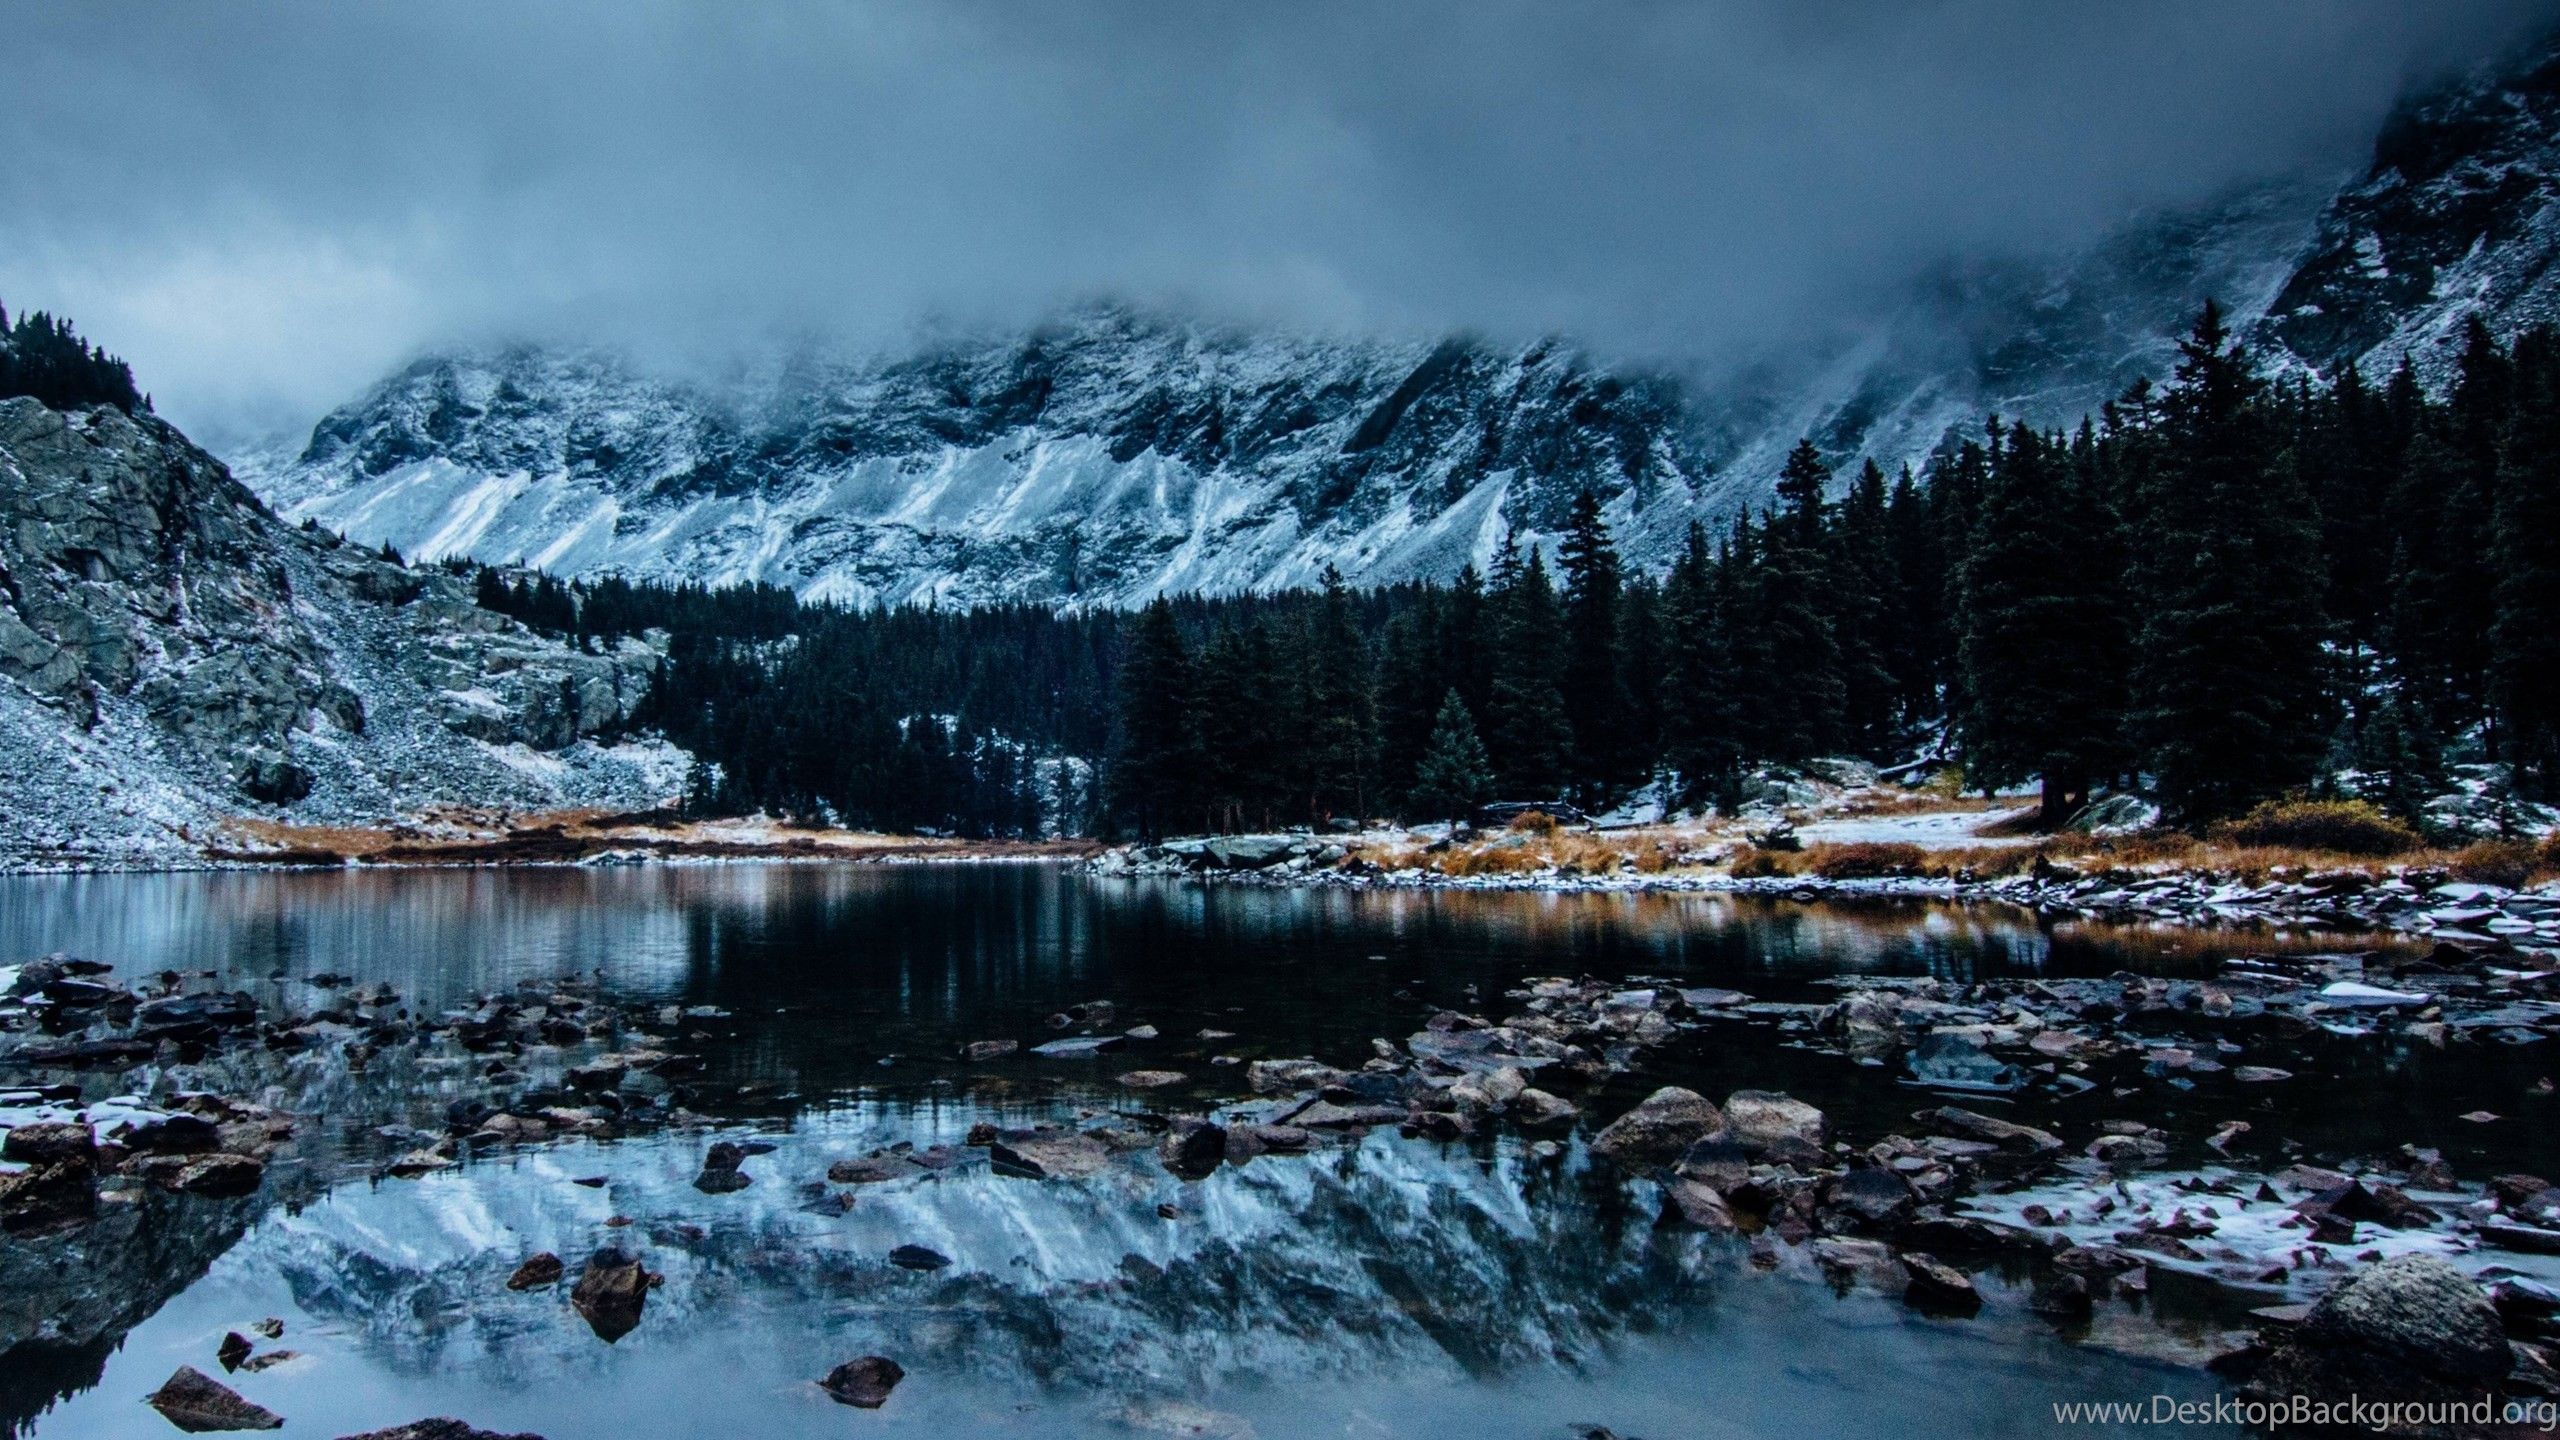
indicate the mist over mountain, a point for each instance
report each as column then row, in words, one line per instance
column 1115, row 452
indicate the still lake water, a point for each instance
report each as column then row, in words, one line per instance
column 1396, row 1288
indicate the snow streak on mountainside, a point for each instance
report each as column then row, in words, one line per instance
column 171, row 656
column 1111, row 456
column 2459, row 216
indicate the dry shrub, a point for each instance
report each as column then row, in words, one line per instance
column 1534, row 822
column 1493, row 860
column 1399, row 857
column 1983, row 862
column 1865, row 860
column 2511, row 863
column 1754, row 863
column 1654, row 858
column 2343, row 827
column 2151, row 847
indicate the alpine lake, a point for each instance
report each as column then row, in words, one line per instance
column 1376, row 1280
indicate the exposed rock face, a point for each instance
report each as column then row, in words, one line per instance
column 2458, row 216
column 171, row 653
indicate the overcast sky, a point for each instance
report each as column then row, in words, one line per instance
column 265, row 207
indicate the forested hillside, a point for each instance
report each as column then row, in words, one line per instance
column 2217, row 591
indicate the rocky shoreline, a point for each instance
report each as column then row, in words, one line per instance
column 2413, row 901
column 2022, row 1151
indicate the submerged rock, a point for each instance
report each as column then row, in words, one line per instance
column 1060, row 1156
column 917, row 1257
column 1871, row 1202
column 197, row 1403
column 439, row 1431
column 864, row 1383
column 1950, row 1060
column 1192, row 1147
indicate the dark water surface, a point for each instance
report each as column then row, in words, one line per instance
column 1396, row 1288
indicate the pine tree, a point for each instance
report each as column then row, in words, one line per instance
column 2525, row 638
column 1156, row 757
column 1531, row 740
column 2043, row 643
column 1700, row 720
column 1341, row 712
column 1862, row 590
column 2230, row 676
column 1598, row 706
column 1454, row 776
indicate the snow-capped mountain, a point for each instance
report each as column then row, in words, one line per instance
column 1112, row 455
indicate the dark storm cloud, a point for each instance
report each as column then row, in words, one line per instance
column 265, row 206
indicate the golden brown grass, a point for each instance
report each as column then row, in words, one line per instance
column 1534, row 822
column 2344, row 827
column 1657, row 850
column 1865, row 860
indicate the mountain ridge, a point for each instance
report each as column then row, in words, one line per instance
column 1109, row 455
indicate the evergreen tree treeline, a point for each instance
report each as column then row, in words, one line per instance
column 42, row 357
column 2220, row 588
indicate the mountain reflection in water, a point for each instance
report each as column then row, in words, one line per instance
column 1396, row 1287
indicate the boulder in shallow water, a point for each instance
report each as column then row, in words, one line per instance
column 1662, row 1125
column 222, row 1175
column 1937, row 1286
column 1866, row 1202
column 2411, row 1328
column 610, row 1294
column 1061, row 1155
column 197, row 1403
column 542, row 1269
column 864, row 1383
column 1781, row 1126
column 1696, row 1204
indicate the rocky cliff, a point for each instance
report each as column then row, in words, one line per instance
column 2458, row 216
column 171, row 655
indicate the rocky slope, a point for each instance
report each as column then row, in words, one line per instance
column 171, row 654
column 2459, row 216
